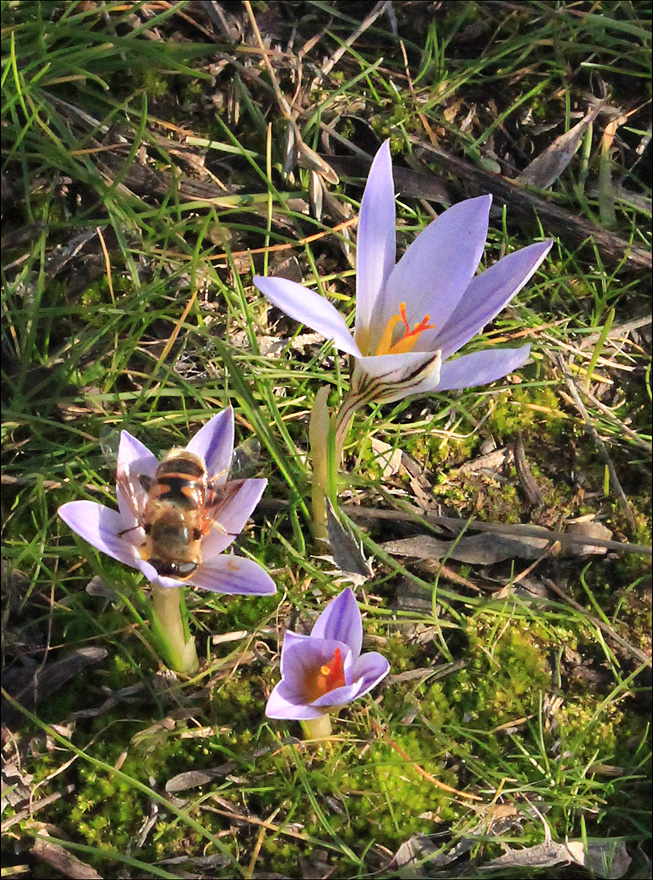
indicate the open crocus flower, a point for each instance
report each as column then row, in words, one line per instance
column 413, row 316
column 200, row 535
column 323, row 671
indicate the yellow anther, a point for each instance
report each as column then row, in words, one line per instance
column 409, row 338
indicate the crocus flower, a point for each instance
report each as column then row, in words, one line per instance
column 119, row 534
column 323, row 671
column 413, row 316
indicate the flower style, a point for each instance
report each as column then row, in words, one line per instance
column 413, row 316
column 120, row 534
column 324, row 671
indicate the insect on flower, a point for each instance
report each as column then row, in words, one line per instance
column 177, row 516
column 181, row 506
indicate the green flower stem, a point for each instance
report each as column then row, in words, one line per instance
column 318, row 436
column 176, row 645
column 317, row 728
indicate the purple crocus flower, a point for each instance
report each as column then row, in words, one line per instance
column 323, row 671
column 119, row 534
column 413, row 316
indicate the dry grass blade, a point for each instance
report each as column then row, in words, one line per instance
column 571, row 385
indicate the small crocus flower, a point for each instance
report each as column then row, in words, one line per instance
column 120, row 533
column 413, row 316
column 325, row 670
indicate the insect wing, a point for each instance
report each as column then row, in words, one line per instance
column 132, row 489
column 218, row 498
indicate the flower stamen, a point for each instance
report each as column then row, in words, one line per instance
column 409, row 338
column 327, row 678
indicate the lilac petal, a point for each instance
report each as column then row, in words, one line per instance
column 338, row 696
column 310, row 308
column 284, row 702
column 423, row 375
column 341, row 620
column 155, row 578
column 234, row 575
column 290, row 638
column 134, row 460
column 481, row 367
column 376, row 245
column 435, row 271
column 307, row 655
column 487, row 295
column 232, row 518
column 132, row 453
column 100, row 526
column 394, row 367
column 214, row 444
column 369, row 670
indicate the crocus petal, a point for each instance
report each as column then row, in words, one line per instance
column 232, row 518
column 394, row 367
column 341, row 620
column 214, row 444
column 307, row 655
column 487, row 294
column 284, row 702
column 132, row 453
column 134, row 461
column 290, row 638
column 423, row 382
column 310, row 308
column 101, row 527
column 376, row 243
column 435, row 271
column 369, row 670
column 481, row 367
column 338, row 696
column 234, row 575
column 155, row 578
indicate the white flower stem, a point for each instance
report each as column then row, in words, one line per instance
column 177, row 646
column 317, row 728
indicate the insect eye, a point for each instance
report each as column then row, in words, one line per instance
column 185, row 569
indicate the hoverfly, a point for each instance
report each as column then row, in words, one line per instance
column 176, row 509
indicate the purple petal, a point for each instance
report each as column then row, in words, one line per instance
column 481, row 367
column 487, row 295
column 305, row 656
column 369, row 670
column 290, row 638
column 310, row 308
column 390, row 368
column 234, row 575
column 341, row 621
column 214, row 444
column 154, row 577
column 435, row 271
column 232, row 518
column 337, row 697
column 376, row 246
column 100, row 526
column 134, row 454
column 134, row 460
column 418, row 375
column 284, row 702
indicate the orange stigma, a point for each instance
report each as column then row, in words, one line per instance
column 409, row 338
column 327, row 678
